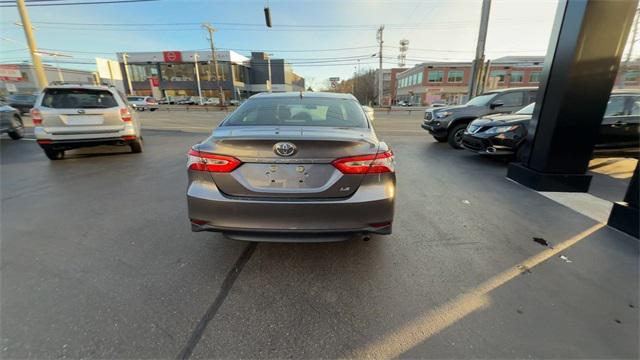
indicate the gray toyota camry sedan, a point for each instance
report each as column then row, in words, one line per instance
column 292, row 167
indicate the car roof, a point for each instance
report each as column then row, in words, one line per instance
column 510, row 89
column 304, row 94
column 79, row 86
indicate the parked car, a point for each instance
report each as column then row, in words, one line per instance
column 369, row 111
column 404, row 103
column 437, row 105
column 164, row 101
column 73, row 116
column 292, row 167
column 448, row 123
column 234, row 102
column 143, row 103
column 504, row 134
column 184, row 100
column 11, row 121
column 212, row 101
column 22, row 102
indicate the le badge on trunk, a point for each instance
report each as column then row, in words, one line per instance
column 284, row 149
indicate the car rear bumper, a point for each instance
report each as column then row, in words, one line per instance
column 74, row 144
column 369, row 210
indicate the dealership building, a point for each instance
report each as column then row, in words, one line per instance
column 173, row 73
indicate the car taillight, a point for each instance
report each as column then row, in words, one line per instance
column 381, row 162
column 151, row 101
column 202, row 161
column 36, row 117
column 125, row 115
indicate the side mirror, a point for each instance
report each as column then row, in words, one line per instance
column 496, row 104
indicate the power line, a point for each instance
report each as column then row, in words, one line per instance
column 82, row 3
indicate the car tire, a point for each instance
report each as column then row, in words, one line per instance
column 18, row 132
column 136, row 146
column 54, row 154
column 440, row 138
column 153, row 109
column 455, row 136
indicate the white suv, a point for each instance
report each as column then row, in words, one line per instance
column 66, row 117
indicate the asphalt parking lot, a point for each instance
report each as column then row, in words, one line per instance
column 98, row 261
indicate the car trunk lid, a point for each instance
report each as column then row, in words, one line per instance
column 307, row 172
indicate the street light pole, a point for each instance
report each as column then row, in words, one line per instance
column 269, row 71
column 195, row 60
column 380, row 76
column 125, row 56
column 31, row 41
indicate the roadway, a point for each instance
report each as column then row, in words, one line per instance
column 98, row 261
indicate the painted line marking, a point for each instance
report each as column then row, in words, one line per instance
column 434, row 321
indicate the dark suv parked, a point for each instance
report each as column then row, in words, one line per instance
column 448, row 123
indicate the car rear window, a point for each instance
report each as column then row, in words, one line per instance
column 78, row 99
column 135, row 98
column 296, row 111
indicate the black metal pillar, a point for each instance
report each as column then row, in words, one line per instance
column 625, row 215
column 584, row 53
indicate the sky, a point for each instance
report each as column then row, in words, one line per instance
column 321, row 39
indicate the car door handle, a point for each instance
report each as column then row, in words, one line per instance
column 619, row 124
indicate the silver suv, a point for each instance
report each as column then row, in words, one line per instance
column 68, row 116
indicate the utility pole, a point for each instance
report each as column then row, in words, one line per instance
column 31, row 41
column 125, row 56
column 211, row 30
column 477, row 64
column 627, row 61
column 380, row 77
column 195, row 60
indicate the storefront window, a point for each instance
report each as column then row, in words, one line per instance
column 419, row 78
column 238, row 73
column 177, row 72
column 142, row 72
column 208, row 71
column 436, row 75
column 455, row 76
column 534, row 77
column 500, row 74
column 517, row 76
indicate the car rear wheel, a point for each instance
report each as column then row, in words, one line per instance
column 54, row 154
column 136, row 146
column 455, row 136
column 18, row 129
column 440, row 138
column 153, row 109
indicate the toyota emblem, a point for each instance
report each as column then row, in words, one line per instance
column 284, row 149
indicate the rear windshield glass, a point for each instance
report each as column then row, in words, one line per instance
column 24, row 97
column 294, row 111
column 135, row 98
column 481, row 100
column 78, row 99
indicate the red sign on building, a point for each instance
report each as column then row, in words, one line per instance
column 172, row 56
